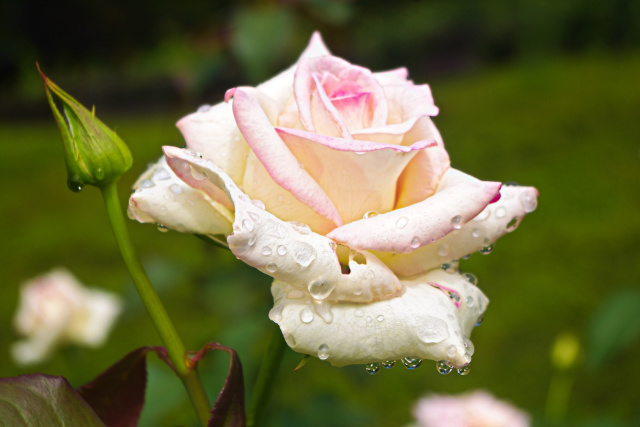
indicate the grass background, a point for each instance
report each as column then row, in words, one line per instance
column 567, row 123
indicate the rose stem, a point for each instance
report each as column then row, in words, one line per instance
column 157, row 312
column 266, row 376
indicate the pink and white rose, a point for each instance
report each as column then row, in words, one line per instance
column 333, row 180
column 477, row 409
column 56, row 308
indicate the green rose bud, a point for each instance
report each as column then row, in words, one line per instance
column 94, row 154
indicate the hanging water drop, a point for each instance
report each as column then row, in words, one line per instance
column 306, row 315
column 464, row 370
column 456, row 222
column 528, row 201
column 389, row 364
column 471, row 278
column 479, row 321
column 323, row 352
column 486, row 250
column 320, row 289
column 443, row 367
column 411, row 362
column 162, row 228
column 511, row 225
column 415, row 242
column 271, row 268
column 372, row 368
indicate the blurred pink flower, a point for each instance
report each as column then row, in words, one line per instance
column 55, row 308
column 477, row 409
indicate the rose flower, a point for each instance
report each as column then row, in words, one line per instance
column 334, row 181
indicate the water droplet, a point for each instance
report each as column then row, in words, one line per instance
column 471, row 278
column 247, row 224
column 323, row 352
column 369, row 319
column 380, row 318
column 306, row 315
column 467, row 358
column 204, row 108
column 479, row 321
column 161, row 174
column 483, row 215
column 528, row 201
column 175, row 189
column 145, row 183
column 402, row 222
column 258, row 204
column 321, row 289
column 470, row 302
column 370, row 214
column 511, row 225
column 266, row 251
column 252, row 239
column 430, row 329
column 488, row 247
column 500, row 212
column 358, row 290
column 195, row 174
column 469, row 345
column 300, row 227
column 243, row 197
column 372, row 368
column 99, row 173
column 274, row 229
column 271, row 268
column 443, row 367
column 464, row 370
column 130, row 213
column 456, row 222
column 282, row 250
column 303, row 253
column 451, row 351
column 389, row 364
column 443, row 250
column 475, row 233
column 295, row 294
column 275, row 313
column 359, row 313
column 162, row 228
column 411, row 362
column 415, row 242
column 450, row 267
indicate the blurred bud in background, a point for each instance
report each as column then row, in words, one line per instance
column 94, row 154
column 565, row 351
column 476, row 409
column 54, row 309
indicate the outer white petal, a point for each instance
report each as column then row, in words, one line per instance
column 422, row 323
column 161, row 197
column 493, row 222
column 290, row 252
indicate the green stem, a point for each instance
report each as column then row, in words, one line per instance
column 265, row 382
column 159, row 316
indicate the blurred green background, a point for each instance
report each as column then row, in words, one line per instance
column 539, row 92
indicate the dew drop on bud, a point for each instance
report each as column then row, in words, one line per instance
column 247, row 224
column 415, row 242
column 323, row 352
column 411, row 362
column 306, row 315
column 380, row 318
column 471, row 278
column 145, row 183
column 475, row 233
column 443, row 250
column 464, row 370
column 258, row 203
column 402, row 222
column 528, row 201
column 204, row 108
column 282, row 250
column 500, row 212
column 162, row 228
column 389, row 364
column 271, row 268
column 511, row 225
column 443, row 367
column 266, row 251
column 456, row 222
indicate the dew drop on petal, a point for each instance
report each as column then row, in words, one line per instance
column 282, row 250
column 161, row 174
column 323, row 352
column 411, row 362
column 370, row 214
column 451, row 351
column 402, row 222
column 479, row 321
column 358, row 313
column 320, row 289
column 275, row 313
column 195, row 174
column 146, row 183
column 469, row 301
column 475, row 233
column 512, row 225
column 372, row 368
column 175, row 189
column 204, row 108
column 415, row 242
column 162, row 228
column 303, row 253
column 306, row 315
column 456, row 222
column 247, row 224
column 471, row 278
column 252, row 240
column 300, row 227
column 258, row 203
column 469, row 345
column 467, row 358
column 501, row 212
column 271, row 268
column 358, row 290
column 528, row 201
column 443, row 367
column 443, row 250
column 388, row 364
column 266, row 251
column 255, row 217
column 464, row 370
column 380, row 318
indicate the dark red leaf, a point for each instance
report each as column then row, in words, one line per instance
column 228, row 411
column 117, row 395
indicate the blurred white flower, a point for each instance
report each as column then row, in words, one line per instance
column 56, row 308
column 477, row 409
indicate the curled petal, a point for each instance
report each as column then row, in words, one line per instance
column 493, row 222
column 358, row 176
column 255, row 116
column 458, row 200
column 424, row 322
column 395, row 76
column 291, row 252
column 161, row 197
